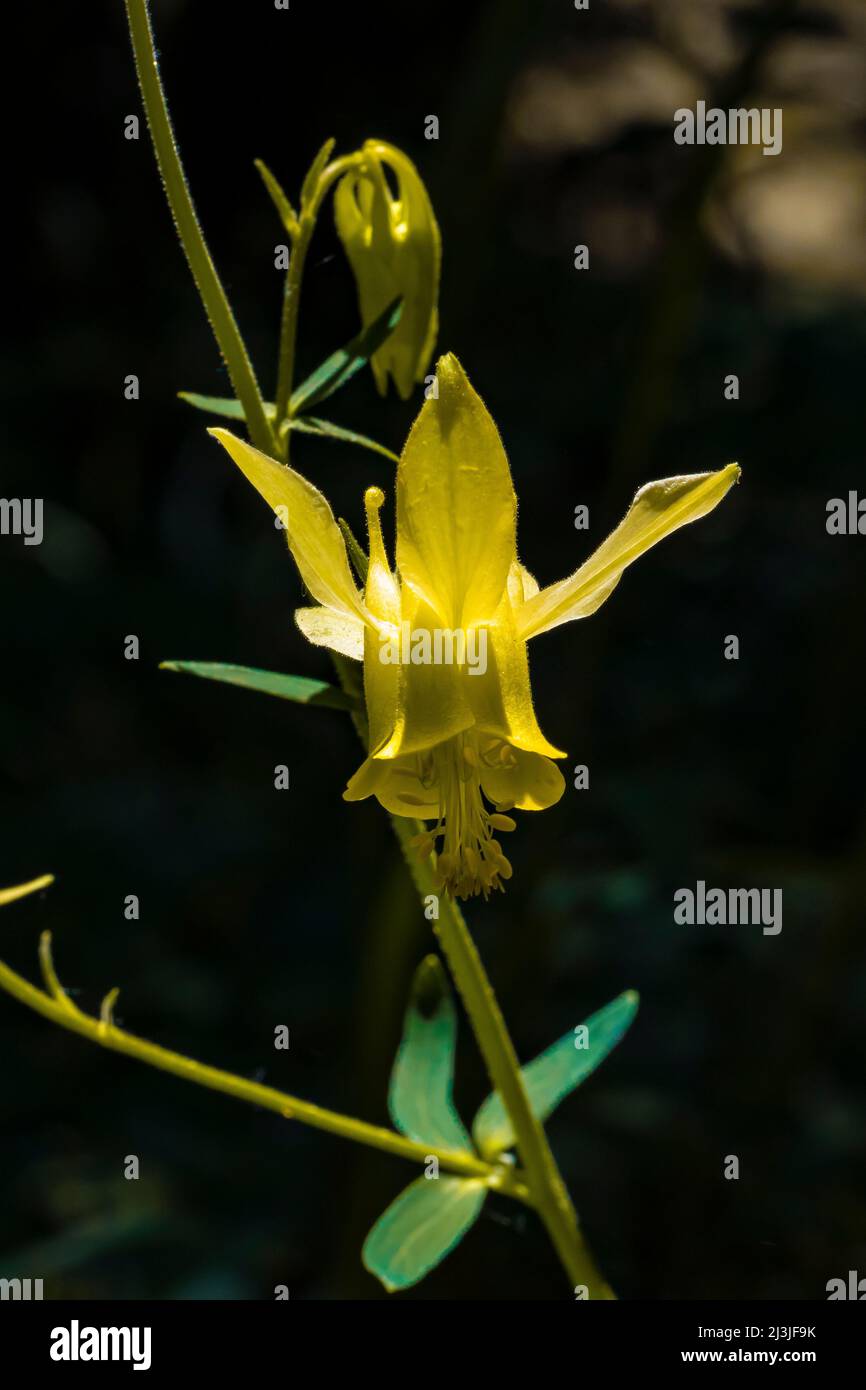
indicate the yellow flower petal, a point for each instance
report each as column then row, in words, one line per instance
column 501, row 699
column 397, row 787
column 456, row 509
column 314, row 537
column 657, row 510
column 395, row 250
column 419, row 263
column 432, row 703
column 522, row 586
column 382, row 599
column 363, row 219
column 531, row 783
column 336, row 631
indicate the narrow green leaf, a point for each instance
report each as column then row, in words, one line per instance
column 287, row 213
column 342, row 365
column 555, row 1073
column 231, row 409
column 419, row 1098
column 308, row 425
column 301, row 689
column 223, row 405
column 421, row 1227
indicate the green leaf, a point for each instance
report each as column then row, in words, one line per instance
column 342, row 365
column 231, row 409
column 306, row 424
column 421, row 1227
column 555, row 1073
column 298, row 688
column 223, row 405
column 287, row 213
column 419, row 1098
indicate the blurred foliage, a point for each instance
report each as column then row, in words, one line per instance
column 556, row 129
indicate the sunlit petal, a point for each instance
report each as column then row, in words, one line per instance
column 314, row 537
column 394, row 248
column 529, row 782
column 657, row 510
column 501, row 698
column 397, row 786
column 338, row 631
column 456, row 509
column 383, row 601
column 522, row 586
column 432, row 700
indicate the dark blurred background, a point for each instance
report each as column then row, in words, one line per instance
column 259, row 907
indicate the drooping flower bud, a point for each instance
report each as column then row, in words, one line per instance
column 395, row 251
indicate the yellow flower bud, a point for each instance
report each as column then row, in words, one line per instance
column 395, row 251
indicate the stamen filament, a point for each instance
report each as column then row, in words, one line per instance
column 471, row 860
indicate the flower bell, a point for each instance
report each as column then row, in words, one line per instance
column 451, row 743
column 395, row 251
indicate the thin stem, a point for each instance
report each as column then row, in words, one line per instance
column 213, row 296
column 57, row 1006
column 292, row 293
column 548, row 1193
column 289, row 321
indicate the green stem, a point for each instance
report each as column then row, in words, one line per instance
column 289, row 321
column 548, row 1193
column 213, row 296
column 57, row 1006
column 292, row 291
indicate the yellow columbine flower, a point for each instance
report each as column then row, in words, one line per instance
column 454, row 741
column 395, row 250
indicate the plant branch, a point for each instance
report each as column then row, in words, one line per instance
column 55, row 1004
column 208, row 283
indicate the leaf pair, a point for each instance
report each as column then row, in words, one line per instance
column 433, row 1213
column 333, row 373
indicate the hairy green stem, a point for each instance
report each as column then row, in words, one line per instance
column 548, row 1193
column 189, row 231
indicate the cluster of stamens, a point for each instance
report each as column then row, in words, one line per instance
column 469, row 859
